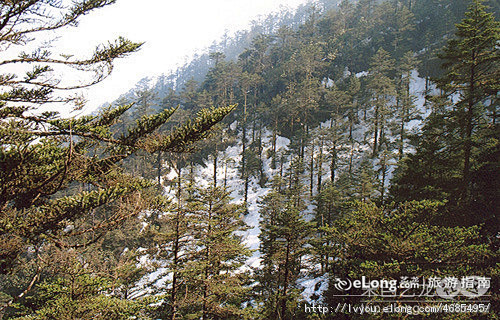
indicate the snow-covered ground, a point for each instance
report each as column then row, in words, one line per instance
column 312, row 286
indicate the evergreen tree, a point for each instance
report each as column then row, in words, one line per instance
column 471, row 62
column 404, row 24
column 364, row 182
column 459, row 130
column 382, row 89
column 406, row 110
column 142, row 163
column 284, row 233
column 329, row 204
column 216, row 288
column 76, row 291
column 248, row 82
column 56, row 173
column 399, row 241
column 339, row 101
column 172, row 233
column 433, row 171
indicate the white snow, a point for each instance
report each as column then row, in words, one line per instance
column 313, row 288
column 361, row 74
column 231, row 157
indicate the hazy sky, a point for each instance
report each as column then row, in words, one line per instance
column 172, row 30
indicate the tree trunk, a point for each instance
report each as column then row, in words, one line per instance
column 285, row 282
column 426, row 91
column 320, row 165
column 158, row 168
column 225, row 174
column 333, row 163
column 282, row 160
column 277, row 314
column 244, row 140
column 259, row 148
column 381, row 139
column 175, row 262
column 215, row 167
column 305, row 132
column 468, row 134
column 246, row 189
column 207, row 267
column 402, row 140
column 275, row 129
column 375, row 133
column 311, row 169
column 382, row 184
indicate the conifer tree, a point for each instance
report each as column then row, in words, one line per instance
column 382, row 89
column 322, row 136
column 404, row 23
column 189, row 95
column 339, row 101
column 74, row 290
column 142, row 163
column 55, row 172
column 284, row 233
column 457, row 131
column 248, row 83
column 216, row 287
column 400, row 240
column 471, row 63
column 406, row 110
column 172, row 234
column 329, row 204
column 364, row 182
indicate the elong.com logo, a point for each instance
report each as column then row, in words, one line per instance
column 447, row 287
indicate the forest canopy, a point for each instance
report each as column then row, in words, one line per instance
column 353, row 139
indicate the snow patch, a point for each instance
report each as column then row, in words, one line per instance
column 313, row 288
column 361, row 74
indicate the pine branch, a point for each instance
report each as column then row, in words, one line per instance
column 180, row 138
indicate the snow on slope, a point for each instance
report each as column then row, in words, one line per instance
column 312, row 286
column 235, row 185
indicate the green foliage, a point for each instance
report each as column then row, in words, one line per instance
column 382, row 89
column 216, row 285
column 78, row 294
column 406, row 239
column 61, row 185
column 198, row 239
column 284, row 232
column 457, row 132
column 68, row 191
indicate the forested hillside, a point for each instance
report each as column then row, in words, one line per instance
column 353, row 139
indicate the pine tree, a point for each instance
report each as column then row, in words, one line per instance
column 54, row 172
column 433, row 171
column 216, row 288
column 404, row 24
column 339, row 101
column 189, row 95
column 248, row 83
column 142, row 163
column 384, row 163
column 284, row 233
column 364, row 182
column 471, row 63
column 382, row 89
column 75, row 290
column 458, row 130
column 398, row 241
column 172, row 234
column 406, row 110
column 329, row 204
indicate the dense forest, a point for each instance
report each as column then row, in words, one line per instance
column 348, row 139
